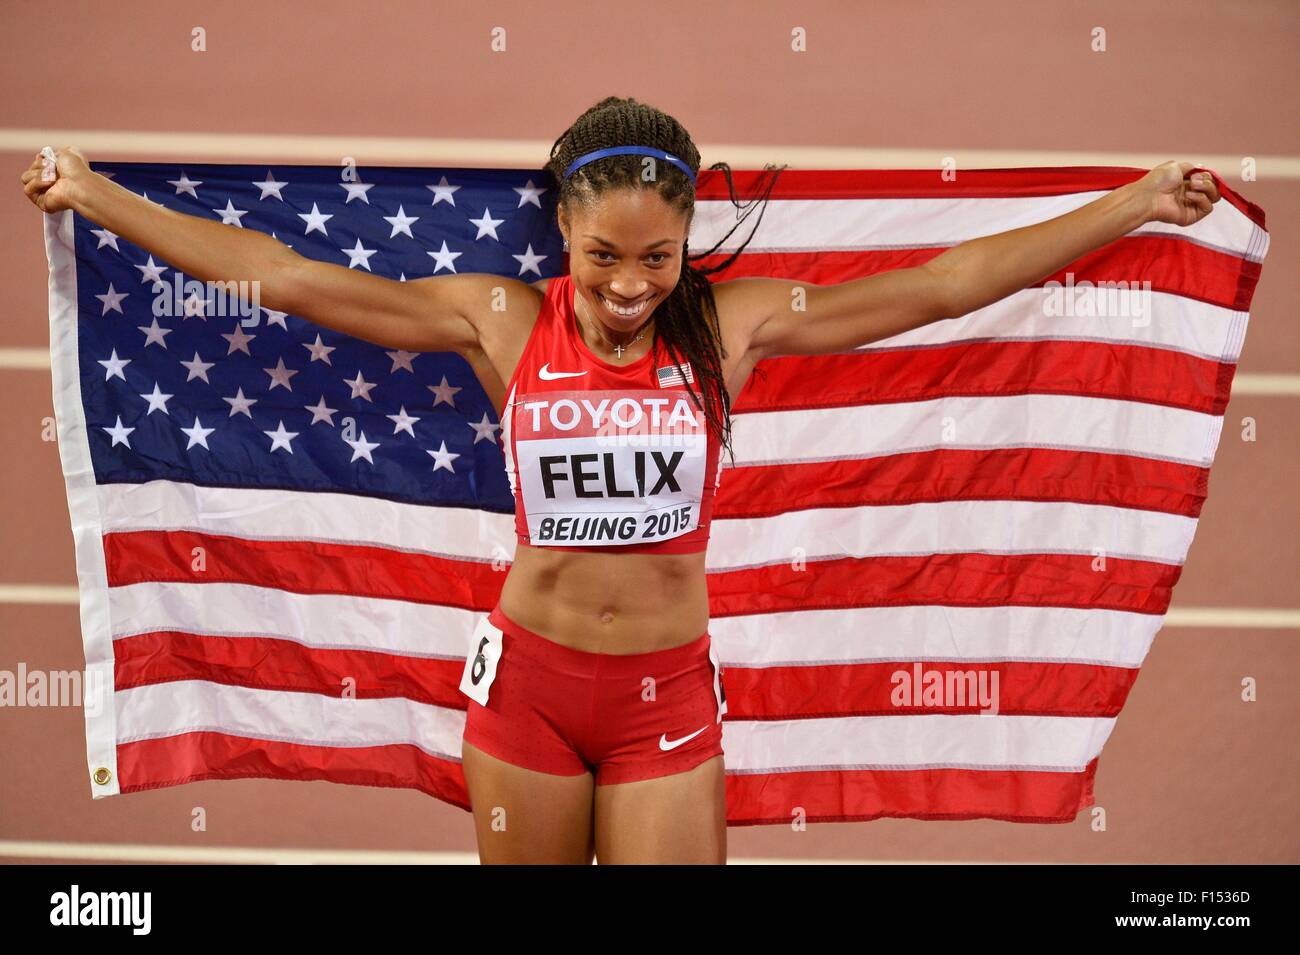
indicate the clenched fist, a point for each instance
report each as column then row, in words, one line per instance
column 59, row 192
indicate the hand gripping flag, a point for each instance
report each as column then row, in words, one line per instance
column 935, row 569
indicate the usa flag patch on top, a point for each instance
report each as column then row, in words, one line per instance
column 669, row 375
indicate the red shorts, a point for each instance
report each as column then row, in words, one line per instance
column 543, row 706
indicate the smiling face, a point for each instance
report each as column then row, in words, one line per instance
column 625, row 256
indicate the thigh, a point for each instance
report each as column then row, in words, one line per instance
column 526, row 817
column 679, row 819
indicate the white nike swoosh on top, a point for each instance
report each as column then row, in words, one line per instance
column 546, row 375
column 664, row 744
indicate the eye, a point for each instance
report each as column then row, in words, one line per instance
column 658, row 257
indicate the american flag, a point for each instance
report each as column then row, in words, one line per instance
column 669, row 375
column 936, row 565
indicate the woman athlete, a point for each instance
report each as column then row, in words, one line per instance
column 594, row 701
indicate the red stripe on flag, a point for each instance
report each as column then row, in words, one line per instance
column 951, row 580
column 190, row 757
column 862, row 794
column 268, row 663
column 1170, row 264
column 868, row 689
column 989, row 369
column 919, row 183
column 952, row 474
column 304, row 567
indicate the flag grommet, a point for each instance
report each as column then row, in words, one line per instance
column 102, row 776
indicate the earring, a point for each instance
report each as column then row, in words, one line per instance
column 566, row 245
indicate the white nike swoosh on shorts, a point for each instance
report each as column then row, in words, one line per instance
column 546, row 375
column 664, row 743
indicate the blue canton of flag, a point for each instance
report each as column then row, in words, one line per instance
column 271, row 400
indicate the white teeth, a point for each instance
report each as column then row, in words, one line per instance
column 619, row 310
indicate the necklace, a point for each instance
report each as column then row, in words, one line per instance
column 619, row 349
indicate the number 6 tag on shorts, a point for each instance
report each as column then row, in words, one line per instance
column 481, row 664
column 719, row 692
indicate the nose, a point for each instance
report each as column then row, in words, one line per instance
column 627, row 288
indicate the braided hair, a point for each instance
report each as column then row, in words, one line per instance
column 686, row 321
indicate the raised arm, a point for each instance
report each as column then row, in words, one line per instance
column 966, row 277
column 430, row 314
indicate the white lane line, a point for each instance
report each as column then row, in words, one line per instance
column 271, row 856
column 25, row 359
column 1261, row 384
column 225, row 854
column 532, row 153
column 38, row 594
column 1265, row 618
column 1243, row 383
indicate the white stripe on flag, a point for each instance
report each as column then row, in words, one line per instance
column 828, row 225
column 1014, row 421
column 926, row 632
column 1175, row 322
column 937, row 741
column 326, row 621
column 461, row 533
column 946, row 527
column 159, row 710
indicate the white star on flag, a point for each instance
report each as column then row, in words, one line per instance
column 280, row 375
column 315, row 220
column 119, row 433
column 157, row 400
column 484, row 429
column 402, row 421
column 114, row 366
column 240, row 405
column 443, row 392
column 185, row 184
column 401, row 223
column 112, row 300
column 361, row 448
column 198, row 368
column 197, row 434
column 280, row 438
column 443, row 191
column 442, row 458
column 360, row 387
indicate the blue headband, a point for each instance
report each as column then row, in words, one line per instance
column 629, row 151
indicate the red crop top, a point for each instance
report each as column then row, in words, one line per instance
column 600, row 456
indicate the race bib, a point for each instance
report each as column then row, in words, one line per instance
column 609, row 467
column 481, row 664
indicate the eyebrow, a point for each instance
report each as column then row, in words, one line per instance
column 587, row 235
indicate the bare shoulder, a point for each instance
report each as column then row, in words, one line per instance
column 745, row 304
column 489, row 301
column 503, row 311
